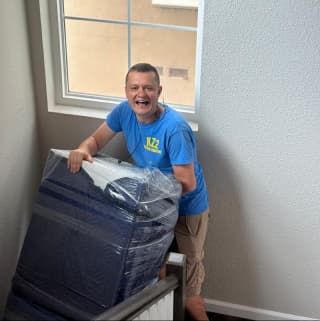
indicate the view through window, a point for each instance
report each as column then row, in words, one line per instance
column 104, row 37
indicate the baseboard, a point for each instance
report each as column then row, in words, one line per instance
column 242, row 311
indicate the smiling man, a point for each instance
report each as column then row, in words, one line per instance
column 158, row 136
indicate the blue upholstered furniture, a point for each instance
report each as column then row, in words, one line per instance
column 95, row 238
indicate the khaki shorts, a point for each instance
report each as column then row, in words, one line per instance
column 190, row 235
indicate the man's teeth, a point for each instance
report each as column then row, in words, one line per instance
column 141, row 102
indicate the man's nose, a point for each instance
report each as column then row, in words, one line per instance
column 141, row 91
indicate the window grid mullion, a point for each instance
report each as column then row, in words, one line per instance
column 129, row 33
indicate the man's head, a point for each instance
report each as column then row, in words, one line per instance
column 143, row 90
column 144, row 67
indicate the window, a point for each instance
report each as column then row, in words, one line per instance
column 96, row 41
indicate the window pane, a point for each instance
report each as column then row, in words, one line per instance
column 97, row 57
column 145, row 11
column 173, row 52
column 101, row 9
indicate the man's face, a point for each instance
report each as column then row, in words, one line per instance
column 143, row 92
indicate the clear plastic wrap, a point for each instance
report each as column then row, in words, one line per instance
column 96, row 237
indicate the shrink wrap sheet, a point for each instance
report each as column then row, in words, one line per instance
column 95, row 238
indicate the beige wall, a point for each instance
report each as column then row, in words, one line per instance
column 19, row 152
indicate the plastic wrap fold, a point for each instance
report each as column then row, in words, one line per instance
column 95, row 238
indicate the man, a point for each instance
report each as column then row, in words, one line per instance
column 158, row 136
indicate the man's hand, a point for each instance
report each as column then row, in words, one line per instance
column 89, row 147
column 75, row 159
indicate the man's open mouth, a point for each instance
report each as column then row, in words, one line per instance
column 143, row 102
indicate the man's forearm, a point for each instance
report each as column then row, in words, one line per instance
column 89, row 146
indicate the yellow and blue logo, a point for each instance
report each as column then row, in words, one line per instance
column 152, row 145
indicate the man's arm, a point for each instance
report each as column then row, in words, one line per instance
column 185, row 176
column 89, row 147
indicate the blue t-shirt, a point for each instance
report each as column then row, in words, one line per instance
column 163, row 143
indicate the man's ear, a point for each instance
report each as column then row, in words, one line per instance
column 159, row 91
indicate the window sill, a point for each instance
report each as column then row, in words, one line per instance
column 94, row 113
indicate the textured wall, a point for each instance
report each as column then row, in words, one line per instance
column 259, row 143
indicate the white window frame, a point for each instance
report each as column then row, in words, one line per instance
column 185, row 4
column 85, row 104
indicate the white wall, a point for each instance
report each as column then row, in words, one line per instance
column 260, row 146
column 18, row 135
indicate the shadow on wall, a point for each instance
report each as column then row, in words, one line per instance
column 18, row 198
column 229, row 263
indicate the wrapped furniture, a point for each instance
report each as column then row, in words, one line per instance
column 95, row 238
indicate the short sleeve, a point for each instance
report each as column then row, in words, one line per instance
column 181, row 147
column 113, row 119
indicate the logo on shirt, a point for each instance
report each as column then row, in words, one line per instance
column 152, row 145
